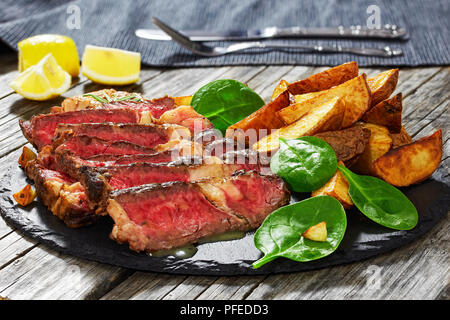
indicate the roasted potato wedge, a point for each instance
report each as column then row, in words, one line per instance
column 182, row 101
column 325, row 117
column 400, row 139
column 411, row 163
column 264, row 118
column 380, row 142
column 356, row 96
column 326, row 79
column 281, row 87
column 382, row 85
column 387, row 113
column 27, row 155
column 306, row 96
column 348, row 144
column 25, row 196
column 336, row 187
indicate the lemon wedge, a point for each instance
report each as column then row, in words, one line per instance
column 63, row 49
column 110, row 66
column 42, row 81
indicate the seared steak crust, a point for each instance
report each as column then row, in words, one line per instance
column 63, row 196
column 164, row 216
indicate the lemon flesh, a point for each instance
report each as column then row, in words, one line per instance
column 63, row 49
column 42, row 81
column 110, row 66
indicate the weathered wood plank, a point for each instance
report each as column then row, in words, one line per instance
column 144, row 286
column 45, row 274
column 231, row 288
column 13, row 246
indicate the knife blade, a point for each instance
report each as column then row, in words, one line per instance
column 387, row 32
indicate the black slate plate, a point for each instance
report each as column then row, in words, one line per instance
column 363, row 238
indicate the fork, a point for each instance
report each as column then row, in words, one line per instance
column 207, row 51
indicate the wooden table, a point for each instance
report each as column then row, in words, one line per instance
column 421, row 270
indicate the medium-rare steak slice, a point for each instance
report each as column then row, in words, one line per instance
column 63, row 196
column 81, row 150
column 100, row 181
column 147, row 135
column 164, row 216
column 40, row 129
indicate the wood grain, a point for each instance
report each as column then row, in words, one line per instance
column 420, row 270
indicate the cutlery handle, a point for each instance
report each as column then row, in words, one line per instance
column 387, row 32
column 384, row 52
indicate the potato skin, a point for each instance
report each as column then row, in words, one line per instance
column 400, row 139
column 264, row 118
column 411, row 163
column 387, row 113
column 382, row 85
column 326, row 79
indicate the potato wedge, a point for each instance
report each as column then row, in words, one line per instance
column 325, row 117
column 411, row 163
column 317, row 232
column 400, row 139
column 382, row 85
column 182, row 101
column 281, row 87
column 356, row 96
column 326, row 79
column 348, row 144
column 380, row 142
column 336, row 187
column 306, row 96
column 27, row 155
column 263, row 118
column 25, row 196
column 387, row 113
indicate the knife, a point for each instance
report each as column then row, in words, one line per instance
column 388, row 32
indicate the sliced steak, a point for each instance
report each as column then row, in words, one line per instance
column 64, row 196
column 82, row 150
column 100, row 181
column 164, row 216
column 147, row 135
column 40, row 129
column 348, row 144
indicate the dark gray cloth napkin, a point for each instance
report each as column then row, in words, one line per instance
column 112, row 23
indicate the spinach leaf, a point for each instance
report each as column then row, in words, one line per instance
column 380, row 201
column 280, row 235
column 225, row 102
column 306, row 163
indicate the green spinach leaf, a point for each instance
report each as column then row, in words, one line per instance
column 280, row 235
column 380, row 201
column 306, row 163
column 225, row 102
